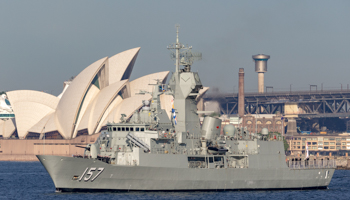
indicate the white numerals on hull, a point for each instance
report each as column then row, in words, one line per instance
column 90, row 174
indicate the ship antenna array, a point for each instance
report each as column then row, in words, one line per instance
column 183, row 54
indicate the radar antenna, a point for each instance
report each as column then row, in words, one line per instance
column 183, row 54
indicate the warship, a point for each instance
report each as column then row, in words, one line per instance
column 153, row 152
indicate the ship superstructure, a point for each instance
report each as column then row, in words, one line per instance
column 149, row 151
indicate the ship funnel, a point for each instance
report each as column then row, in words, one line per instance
column 241, row 92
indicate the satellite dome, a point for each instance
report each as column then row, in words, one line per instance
column 230, row 130
column 146, row 102
column 264, row 131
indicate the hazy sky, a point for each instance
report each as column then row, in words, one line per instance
column 43, row 43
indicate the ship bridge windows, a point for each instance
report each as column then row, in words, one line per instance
column 196, row 159
column 127, row 128
column 137, row 129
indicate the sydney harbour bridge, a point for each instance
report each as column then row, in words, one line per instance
column 314, row 106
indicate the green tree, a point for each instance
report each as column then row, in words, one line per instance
column 214, row 114
column 286, row 145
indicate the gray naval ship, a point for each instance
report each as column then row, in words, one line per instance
column 151, row 152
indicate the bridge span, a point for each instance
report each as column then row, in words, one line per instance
column 304, row 104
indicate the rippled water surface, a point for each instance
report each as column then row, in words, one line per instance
column 29, row 180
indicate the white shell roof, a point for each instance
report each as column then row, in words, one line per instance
column 99, row 105
column 70, row 103
column 128, row 107
column 9, row 127
column 121, row 63
column 202, row 92
column 46, row 124
column 107, row 115
column 30, row 107
column 90, row 96
column 143, row 83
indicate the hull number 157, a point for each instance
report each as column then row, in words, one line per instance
column 90, row 173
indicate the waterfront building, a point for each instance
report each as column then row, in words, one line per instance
column 320, row 145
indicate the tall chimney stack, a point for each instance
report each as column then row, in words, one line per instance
column 261, row 68
column 241, row 92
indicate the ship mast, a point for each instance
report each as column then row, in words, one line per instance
column 177, row 49
column 184, row 85
column 177, row 46
column 183, row 54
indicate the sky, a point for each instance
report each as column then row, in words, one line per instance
column 44, row 43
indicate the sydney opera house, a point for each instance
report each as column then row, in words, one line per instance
column 99, row 94
column 35, row 122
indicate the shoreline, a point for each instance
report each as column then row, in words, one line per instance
column 19, row 158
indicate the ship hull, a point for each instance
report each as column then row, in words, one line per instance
column 66, row 172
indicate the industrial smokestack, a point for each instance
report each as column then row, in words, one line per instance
column 261, row 68
column 241, row 92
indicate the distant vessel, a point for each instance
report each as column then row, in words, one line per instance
column 151, row 152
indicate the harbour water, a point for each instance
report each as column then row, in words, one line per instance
column 29, row 180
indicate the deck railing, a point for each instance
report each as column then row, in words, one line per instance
column 311, row 164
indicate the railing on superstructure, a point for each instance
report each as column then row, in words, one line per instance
column 205, row 164
column 311, row 164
